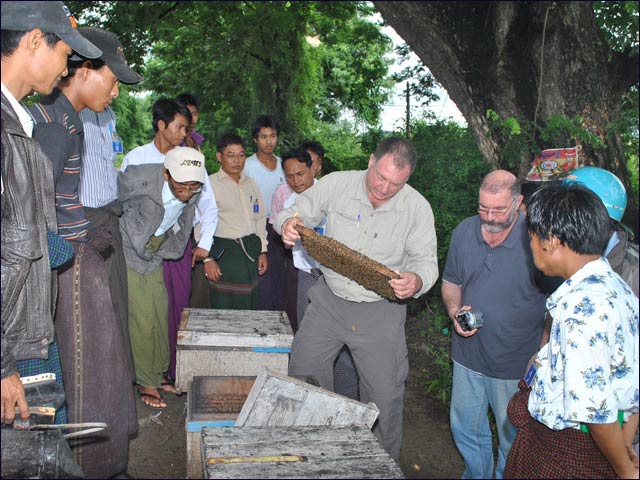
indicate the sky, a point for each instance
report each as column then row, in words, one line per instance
column 394, row 112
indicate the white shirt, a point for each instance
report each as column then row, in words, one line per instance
column 172, row 210
column 267, row 180
column 301, row 259
column 206, row 209
column 23, row 116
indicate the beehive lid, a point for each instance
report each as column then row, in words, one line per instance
column 278, row 400
column 295, row 452
column 235, row 328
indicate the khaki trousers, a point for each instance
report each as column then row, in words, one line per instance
column 374, row 332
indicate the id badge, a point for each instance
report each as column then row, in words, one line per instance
column 117, row 146
column 256, row 207
column 531, row 374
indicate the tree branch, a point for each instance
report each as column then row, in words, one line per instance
column 263, row 60
column 626, row 69
column 167, row 12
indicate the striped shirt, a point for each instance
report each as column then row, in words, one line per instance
column 59, row 131
column 99, row 176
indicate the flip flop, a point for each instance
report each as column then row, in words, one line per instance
column 154, row 397
column 172, row 387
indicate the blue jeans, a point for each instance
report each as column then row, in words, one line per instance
column 472, row 395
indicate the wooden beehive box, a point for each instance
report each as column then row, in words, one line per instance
column 279, row 401
column 295, row 452
column 213, row 342
column 212, row 402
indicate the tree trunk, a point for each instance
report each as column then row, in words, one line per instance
column 528, row 60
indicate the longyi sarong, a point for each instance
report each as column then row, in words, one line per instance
column 177, row 279
column 199, row 285
column 236, row 289
column 148, row 317
column 272, row 286
column 94, row 359
column 109, row 215
column 540, row 452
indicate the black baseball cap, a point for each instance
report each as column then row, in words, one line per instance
column 112, row 53
column 50, row 17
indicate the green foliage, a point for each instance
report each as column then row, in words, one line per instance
column 559, row 128
column 618, row 22
column 520, row 137
column 434, row 329
column 133, row 116
column 363, row 90
column 245, row 59
column 627, row 127
column 449, row 171
column 421, row 82
column 343, row 149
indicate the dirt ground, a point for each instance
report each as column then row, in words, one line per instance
column 159, row 450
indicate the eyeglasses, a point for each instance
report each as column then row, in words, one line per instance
column 179, row 187
column 498, row 212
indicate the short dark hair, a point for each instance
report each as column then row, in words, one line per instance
column 264, row 121
column 188, row 99
column 299, row 154
column 314, row 146
column 403, row 152
column 166, row 110
column 229, row 139
column 573, row 214
column 10, row 39
column 75, row 65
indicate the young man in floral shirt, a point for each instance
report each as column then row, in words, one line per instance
column 581, row 413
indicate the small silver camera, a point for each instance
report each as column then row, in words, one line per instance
column 470, row 319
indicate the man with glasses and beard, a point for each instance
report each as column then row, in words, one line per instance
column 490, row 271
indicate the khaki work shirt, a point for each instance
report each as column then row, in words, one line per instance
column 399, row 234
column 240, row 208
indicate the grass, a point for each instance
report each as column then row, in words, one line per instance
column 434, row 342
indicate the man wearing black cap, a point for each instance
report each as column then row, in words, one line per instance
column 98, row 191
column 92, row 344
column 37, row 38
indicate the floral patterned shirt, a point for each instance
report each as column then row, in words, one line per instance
column 589, row 369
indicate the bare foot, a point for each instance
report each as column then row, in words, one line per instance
column 151, row 397
column 168, row 386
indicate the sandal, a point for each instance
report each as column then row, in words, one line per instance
column 155, row 402
column 169, row 386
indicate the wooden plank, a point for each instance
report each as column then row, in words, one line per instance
column 280, row 400
column 234, row 328
column 327, row 452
